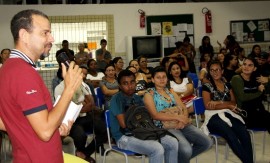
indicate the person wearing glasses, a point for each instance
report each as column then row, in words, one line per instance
column 221, row 113
column 142, row 60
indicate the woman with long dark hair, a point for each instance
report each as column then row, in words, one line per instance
column 206, row 46
column 220, row 114
column 249, row 95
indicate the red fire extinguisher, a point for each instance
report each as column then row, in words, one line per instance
column 142, row 18
column 208, row 20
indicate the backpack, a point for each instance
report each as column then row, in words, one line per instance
column 140, row 124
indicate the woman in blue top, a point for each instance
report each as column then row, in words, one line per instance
column 160, row 98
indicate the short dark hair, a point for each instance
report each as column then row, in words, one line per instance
column 140, row 57
column 64, row 41
column 2, row 51
column 164, row 61
column 84, row 66
column 158, row 69
column 103, row 41
column 124, row 73
column 23, row 20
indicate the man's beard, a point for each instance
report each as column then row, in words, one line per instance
column 44, row 55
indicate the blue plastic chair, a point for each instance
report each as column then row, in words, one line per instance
column 252, row 131
column 194, row 78
column 115, row 148
column 100, row 97
column 199, row 108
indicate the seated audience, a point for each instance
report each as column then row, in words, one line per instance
column 192, row 141
column 165, row 62
column 220, row 57
column 190, row 53
column 241, row 56
column 231, row 44
column 220, row 114
column 5, row 53
column 230, row 66
column 118, row 64
column 141, row 80
column 206, row 46
column 86, row 122
column 180, row 83
column 249, row 95
column 142, row 60
column 94, row 77
column 255, row 52
column 178, row 55
column 157, row 152
column 109, row 85
column 205, row 58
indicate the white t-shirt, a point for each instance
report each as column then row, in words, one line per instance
column 99, row 76
column 180, row 87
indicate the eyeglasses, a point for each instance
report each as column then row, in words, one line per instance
column 215, row 70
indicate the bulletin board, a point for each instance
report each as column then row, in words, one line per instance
column 173, row 28
column 248, row 31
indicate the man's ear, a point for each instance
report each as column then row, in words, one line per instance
column 23, row 35
column 255, row 68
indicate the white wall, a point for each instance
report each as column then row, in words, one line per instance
column 126, row 17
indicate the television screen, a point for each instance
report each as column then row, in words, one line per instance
column 149, row 46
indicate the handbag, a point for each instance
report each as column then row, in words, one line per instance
column 177, row 110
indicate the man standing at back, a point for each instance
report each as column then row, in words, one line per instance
column 103, row 56
column 157, row 152
column 26, row 108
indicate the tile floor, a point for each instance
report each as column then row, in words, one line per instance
column 207, row 157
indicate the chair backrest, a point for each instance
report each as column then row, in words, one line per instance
column 194, row 78
column 199, row 108
column 199, row 91
column 100, row 97
column 107, row 120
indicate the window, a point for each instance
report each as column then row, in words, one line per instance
column 81, row 29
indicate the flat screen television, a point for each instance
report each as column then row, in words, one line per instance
column 149, row 46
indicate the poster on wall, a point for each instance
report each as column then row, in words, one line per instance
column 251, row 25
column 249, row 31
column 156, row 28
column 167, row 28
column 263, row 25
